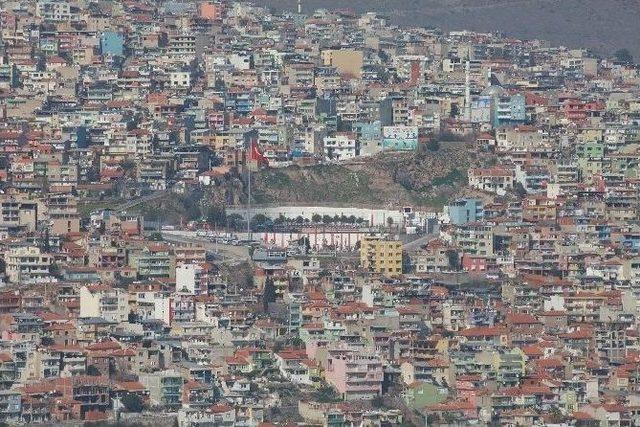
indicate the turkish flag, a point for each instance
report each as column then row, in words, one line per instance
column 256, row 155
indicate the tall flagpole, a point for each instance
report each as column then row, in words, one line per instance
column 248, row 163
column 249, row 207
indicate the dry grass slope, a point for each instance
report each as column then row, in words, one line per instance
column 424, row 179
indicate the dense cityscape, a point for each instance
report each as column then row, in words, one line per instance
column 216, row 214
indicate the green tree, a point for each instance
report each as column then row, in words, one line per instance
column 47, row 341
column 259, row 220
column 520, row 191
column 269, row 293
column 455, row 110
column 326, row 394
column 191, row 203
column 156, row 237
column 280, row 220
column 378, row 402
column 132, row 403
column 454, row 259
column 93, row 371
column 235, row 221
column 304, row 241
column 278, row 346
column 128, row 166
column 433, row 145
column 193, row 212
column 317, row 218
column 326, row 219
column 217, row 216
column 54, row 270
column 407, row 265
column 296, row 342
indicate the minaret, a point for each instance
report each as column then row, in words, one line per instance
column 299, row 7
column 467, row 91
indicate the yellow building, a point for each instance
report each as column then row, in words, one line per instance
column 381, row 255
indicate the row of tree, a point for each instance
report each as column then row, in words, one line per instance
column 262, row 222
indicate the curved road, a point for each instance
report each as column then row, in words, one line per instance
column 144, row 199
column 417, row 243
column 228, row 253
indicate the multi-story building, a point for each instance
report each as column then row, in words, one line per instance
column 63, row 215
column 400, row 138
column 10, row 406
column 475, row 239
column 154, row 261
column 354, row 374
column 190, row 279
column 165, row 388
column 340, row 146
column 21, row 327
column 465, row 210
column 28, row 265
column 381, row 255
column 509, row 110
column 18, row 214
column 494, row 180
column 394, row 111
column 436, row 257
column 57, row 11
column 105, row 302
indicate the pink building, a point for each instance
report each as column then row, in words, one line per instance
column 355, row 374
column 210, row 11
column 474, row 263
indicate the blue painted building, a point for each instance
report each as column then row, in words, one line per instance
column 242, row 102
column 631, row 241
column 399, row 138
column 481, row 109
column 509, row 110
column 368, row 131
column 463, row 211
column 112, row 43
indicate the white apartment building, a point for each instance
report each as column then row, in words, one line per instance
column 104, row 302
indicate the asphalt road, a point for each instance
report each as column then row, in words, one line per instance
column 227, row 253
column 417, row 243
column 144, row 199
column 240, row 253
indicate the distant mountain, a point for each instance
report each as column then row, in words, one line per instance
column 601, row 25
